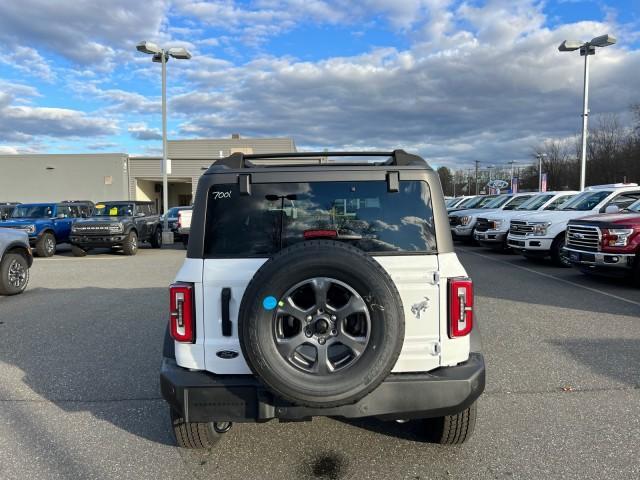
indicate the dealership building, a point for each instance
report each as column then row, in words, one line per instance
column 118, row 176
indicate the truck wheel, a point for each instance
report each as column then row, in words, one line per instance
column 78, row 251
column 14, row 274
column 156, row 238
column 558, row 255
column 46, row 246
column 452, row 429
column 195, row 435
column 636, row 272
column 321, row 324
column 130, row 245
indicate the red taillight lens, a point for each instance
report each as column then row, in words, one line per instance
column 308, row 234
column 182, row 322
column 460, row 307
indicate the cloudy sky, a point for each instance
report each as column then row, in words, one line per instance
column 453, row 80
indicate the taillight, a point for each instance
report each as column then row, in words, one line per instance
column 182, row 321
column 309, row 234
column 460, row 307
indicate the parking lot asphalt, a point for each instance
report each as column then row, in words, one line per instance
column 79, row 395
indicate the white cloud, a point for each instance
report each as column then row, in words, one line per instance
column 84, row 31
column 25, row 123
column 140, row 131
column 27, row 60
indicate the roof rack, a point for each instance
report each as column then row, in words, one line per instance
column 238, row 161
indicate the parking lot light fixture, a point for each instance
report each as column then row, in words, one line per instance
column 161, row 55
column 586, row 49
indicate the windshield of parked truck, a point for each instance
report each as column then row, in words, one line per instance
column 476, row 202
column 113, row 210
column 535, row 202
column 497, row 202
column 33, row 211
column 634, row 207
column 586, row 200
column 515, row 202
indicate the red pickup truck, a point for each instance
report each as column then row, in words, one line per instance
column 607, row 243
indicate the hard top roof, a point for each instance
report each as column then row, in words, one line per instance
column 125, row 202
column 238, row 161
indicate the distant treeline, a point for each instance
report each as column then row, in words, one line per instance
column 613, row 155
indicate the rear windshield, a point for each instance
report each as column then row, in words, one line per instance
column 363, row 214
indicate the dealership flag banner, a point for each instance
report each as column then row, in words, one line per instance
column 543, row 187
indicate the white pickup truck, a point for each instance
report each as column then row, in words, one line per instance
column 184, row 225
column 543, row 234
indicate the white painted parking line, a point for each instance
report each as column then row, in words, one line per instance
column 547, row 275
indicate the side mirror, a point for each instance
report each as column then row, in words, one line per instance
column 612, row 209
column 4, row 216
column 83, row 215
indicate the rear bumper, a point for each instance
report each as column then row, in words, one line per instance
column 204, row 397
column 601, row 260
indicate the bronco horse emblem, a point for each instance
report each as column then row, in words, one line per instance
column 420, row 307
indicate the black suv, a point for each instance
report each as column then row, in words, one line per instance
column 117, row 225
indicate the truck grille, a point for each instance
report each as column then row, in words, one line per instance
column 482, row 225
column 583, row 237
column 91, row 229
column 454, row 220
column 520, row 228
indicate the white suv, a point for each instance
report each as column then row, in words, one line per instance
column 321, row 290
column 543, row 234
column 492, row 229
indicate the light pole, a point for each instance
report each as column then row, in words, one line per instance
column 161, row 55
column 586, row 49
column 539, row 156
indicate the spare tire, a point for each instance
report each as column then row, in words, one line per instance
column 321, row 324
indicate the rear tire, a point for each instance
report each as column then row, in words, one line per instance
column 197, row 435
column 14, row 274
column 46, row 246
column 130, row 245
column 452, row 429
column 78, row 251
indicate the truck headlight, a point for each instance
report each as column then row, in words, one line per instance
column 540, row 229
column 30, row 228
column 116, row 228
column 495, row 224
column 465, row 220
column 617, row 237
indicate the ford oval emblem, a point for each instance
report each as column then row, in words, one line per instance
column 227, row 354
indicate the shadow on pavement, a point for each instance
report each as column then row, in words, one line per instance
column 92, row 349
column 616, row 358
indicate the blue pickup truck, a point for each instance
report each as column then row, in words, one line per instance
column 47, row 224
